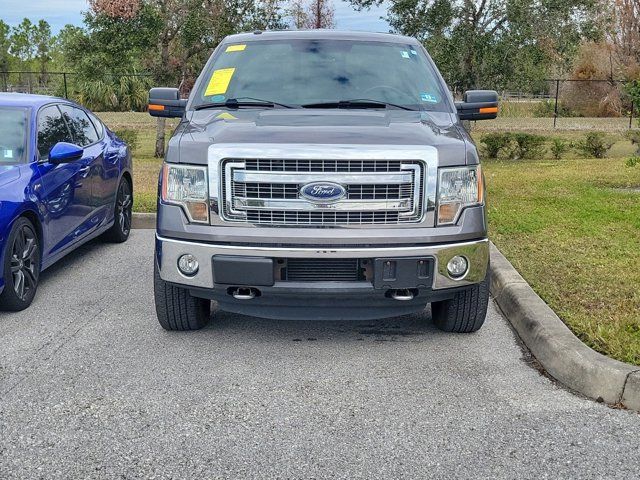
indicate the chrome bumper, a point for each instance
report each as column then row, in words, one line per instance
column 170, row 250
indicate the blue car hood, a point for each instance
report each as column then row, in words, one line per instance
column 8, row 174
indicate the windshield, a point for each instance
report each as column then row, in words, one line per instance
column 13, row 135
column 306, row 72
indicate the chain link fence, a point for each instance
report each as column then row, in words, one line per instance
column 569, row 104
column 109, row 93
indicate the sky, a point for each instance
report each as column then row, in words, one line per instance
column 61, row 12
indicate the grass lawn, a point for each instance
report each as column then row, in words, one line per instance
column 570, row 227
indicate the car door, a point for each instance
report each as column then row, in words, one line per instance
column 106, row 171
column 66, row 187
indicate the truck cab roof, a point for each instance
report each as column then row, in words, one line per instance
column 319, row 34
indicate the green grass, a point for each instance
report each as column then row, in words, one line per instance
column 570, row 227
column 145, row 173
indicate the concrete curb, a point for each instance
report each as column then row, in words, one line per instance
column 143, row 220
column 560, row 352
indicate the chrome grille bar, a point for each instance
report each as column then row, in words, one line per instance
column 374, row 178
column 304, row 205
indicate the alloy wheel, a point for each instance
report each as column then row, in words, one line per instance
column 24, row 262
column 123, row 207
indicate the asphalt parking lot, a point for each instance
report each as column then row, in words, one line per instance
column 90, row 386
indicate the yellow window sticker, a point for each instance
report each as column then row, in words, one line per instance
column 235, row 48
column 226, row 116
column 219, row 82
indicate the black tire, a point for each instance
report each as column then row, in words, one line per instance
column 464, row 313
column 121, row 228
column 21, row 266
column 176, row 309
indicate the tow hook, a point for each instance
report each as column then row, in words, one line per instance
column 244, row 293
column 402, row 294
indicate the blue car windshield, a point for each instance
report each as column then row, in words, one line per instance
column 13, row 135
column 312, row 73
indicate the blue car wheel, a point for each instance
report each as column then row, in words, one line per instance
column 21, row 266
column 121, row 228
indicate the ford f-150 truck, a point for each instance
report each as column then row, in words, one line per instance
column 321, row 175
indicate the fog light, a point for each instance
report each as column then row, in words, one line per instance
column 457, row 266
column 188, row 265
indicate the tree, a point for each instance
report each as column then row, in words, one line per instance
column 624, row 36
column 321, row 14
column 5, row 46
column 497, row 43
column 298, row 14
column 43, row 43
column 22, row 41
column 313, row 14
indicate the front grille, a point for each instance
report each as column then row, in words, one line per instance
column 267, row 191
column 322, row 270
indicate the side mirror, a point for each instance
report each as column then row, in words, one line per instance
column 166, row 102
column 63, row 152
column 478, row 105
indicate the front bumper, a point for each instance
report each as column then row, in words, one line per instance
column 168, row 252
column 322, row 300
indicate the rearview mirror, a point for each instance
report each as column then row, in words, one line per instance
column 166, row 102
column 478, row 105
column 63, row 152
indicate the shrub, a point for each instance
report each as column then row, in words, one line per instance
column 546, row 108
column 558, row 148
column 527, row 145
column 494, row 143
column 595, row 145
column 130, row 137
column 634, row 137
column 113, row 94
column 593, row 98
column 632, row 161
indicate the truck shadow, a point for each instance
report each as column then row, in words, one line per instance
column 404, row 328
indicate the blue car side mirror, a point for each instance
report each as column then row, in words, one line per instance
column 63, row 152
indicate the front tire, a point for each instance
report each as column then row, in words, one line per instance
column 466, row 311
column 176, row 309
column 21, row 267
column 121, row 228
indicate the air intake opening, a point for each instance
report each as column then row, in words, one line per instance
column 322, row 270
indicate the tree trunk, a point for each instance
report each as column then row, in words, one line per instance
column 159, row 153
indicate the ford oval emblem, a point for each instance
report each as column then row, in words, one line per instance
column 323, row 191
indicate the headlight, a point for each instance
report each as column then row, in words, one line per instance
column 458, row 188
column 187, row 186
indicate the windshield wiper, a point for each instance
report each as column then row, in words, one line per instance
column 355, row 103
column 243, row 102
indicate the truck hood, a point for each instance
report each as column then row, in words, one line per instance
column 203, row 128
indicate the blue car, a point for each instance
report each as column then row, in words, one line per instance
column 64, row 180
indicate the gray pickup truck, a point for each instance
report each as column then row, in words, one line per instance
column 321, row 175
